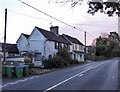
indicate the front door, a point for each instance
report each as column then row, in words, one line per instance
column 38, row 59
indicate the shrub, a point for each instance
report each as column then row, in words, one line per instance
column 75, row 61
column 54, row 62
column 27, row 60
column 65, row 63
column 62, row 59
column 65, row 55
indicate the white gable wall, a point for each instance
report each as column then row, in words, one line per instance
column 22, row 43
column 50, row 49
column 36, row 43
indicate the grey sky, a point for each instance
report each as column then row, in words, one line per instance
column 77, row 17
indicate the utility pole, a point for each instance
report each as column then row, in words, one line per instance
column 4, row 59
column 85, row 45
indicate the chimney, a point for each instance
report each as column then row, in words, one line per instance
column 54, row 29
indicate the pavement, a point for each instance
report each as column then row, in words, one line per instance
column 102, row 75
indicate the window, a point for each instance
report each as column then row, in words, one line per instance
column 80, row 47
column 50, row 56
column 74, row 56
column 75, row 46
column 11, row 55
column 56, row 45
column 65, row 45
column 59, row 45
column 68, row 47
column 38, row 56
column 80, row 57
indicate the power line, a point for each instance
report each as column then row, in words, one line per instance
column 28, row 15
column 90, row 34
column 96, row 25
column 55, row 18
column 50, row 16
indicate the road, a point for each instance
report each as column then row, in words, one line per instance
column 102, row 75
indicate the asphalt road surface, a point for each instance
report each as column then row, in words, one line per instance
column 102, row 75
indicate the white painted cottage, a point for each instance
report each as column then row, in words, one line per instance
column 1, row 53
column 76, row 49
column 22, row 43
column 43, row 44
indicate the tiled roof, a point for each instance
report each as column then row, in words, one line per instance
column 10, row 48
column 72, row 39
column 51, row 36
column 26, row 35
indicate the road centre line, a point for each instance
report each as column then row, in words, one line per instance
column 113, row 77
column 18, row 81
column 99, row 65
column 79, row 74
column 86, row 65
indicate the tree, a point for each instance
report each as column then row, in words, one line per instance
column 109, row 7
column 108, row 47
column 63, row 53
column 101, row 46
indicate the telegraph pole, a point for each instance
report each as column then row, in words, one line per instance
column 85, row 45
column 4, row 59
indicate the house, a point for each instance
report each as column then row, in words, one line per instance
column 1, row 54
column 76, row 49
column 11, row 51
column 43, row 44
column 22, row 43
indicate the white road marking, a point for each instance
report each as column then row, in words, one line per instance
column 67, row 80
column 18, row 81
column 99, row 65
column 87, row 64
column 113, row 77
column 80, row 75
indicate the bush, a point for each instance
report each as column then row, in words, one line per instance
column 65, row 63
column 75, row 61
column 62, row 59
column 54, row 62
column 27, row 60
column 31, row 65
column 65, row 55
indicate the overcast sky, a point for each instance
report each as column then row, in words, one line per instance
column 23, row 19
